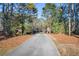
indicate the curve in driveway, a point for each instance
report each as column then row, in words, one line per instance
column 38, row 45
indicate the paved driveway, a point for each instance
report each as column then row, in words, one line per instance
column 38, row 45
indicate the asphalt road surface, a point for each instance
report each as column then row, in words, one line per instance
column 38, row 45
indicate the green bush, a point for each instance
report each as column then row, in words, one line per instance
column 14, row 27
column 28, row 28
column 58, row 27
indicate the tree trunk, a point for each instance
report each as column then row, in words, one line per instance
column 3, row 9
column 69, row 20
column 73, row 15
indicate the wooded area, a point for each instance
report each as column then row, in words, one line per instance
column 19, row 21
column 21, row 18
column 62, row 18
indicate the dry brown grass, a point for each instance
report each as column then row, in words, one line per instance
column 11, row 43
column 67, row 45
column 68, row 50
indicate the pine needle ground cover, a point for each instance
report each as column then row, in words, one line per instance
column 10, row 43
column 67, row 45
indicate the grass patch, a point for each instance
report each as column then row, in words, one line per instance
column 68, row 50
